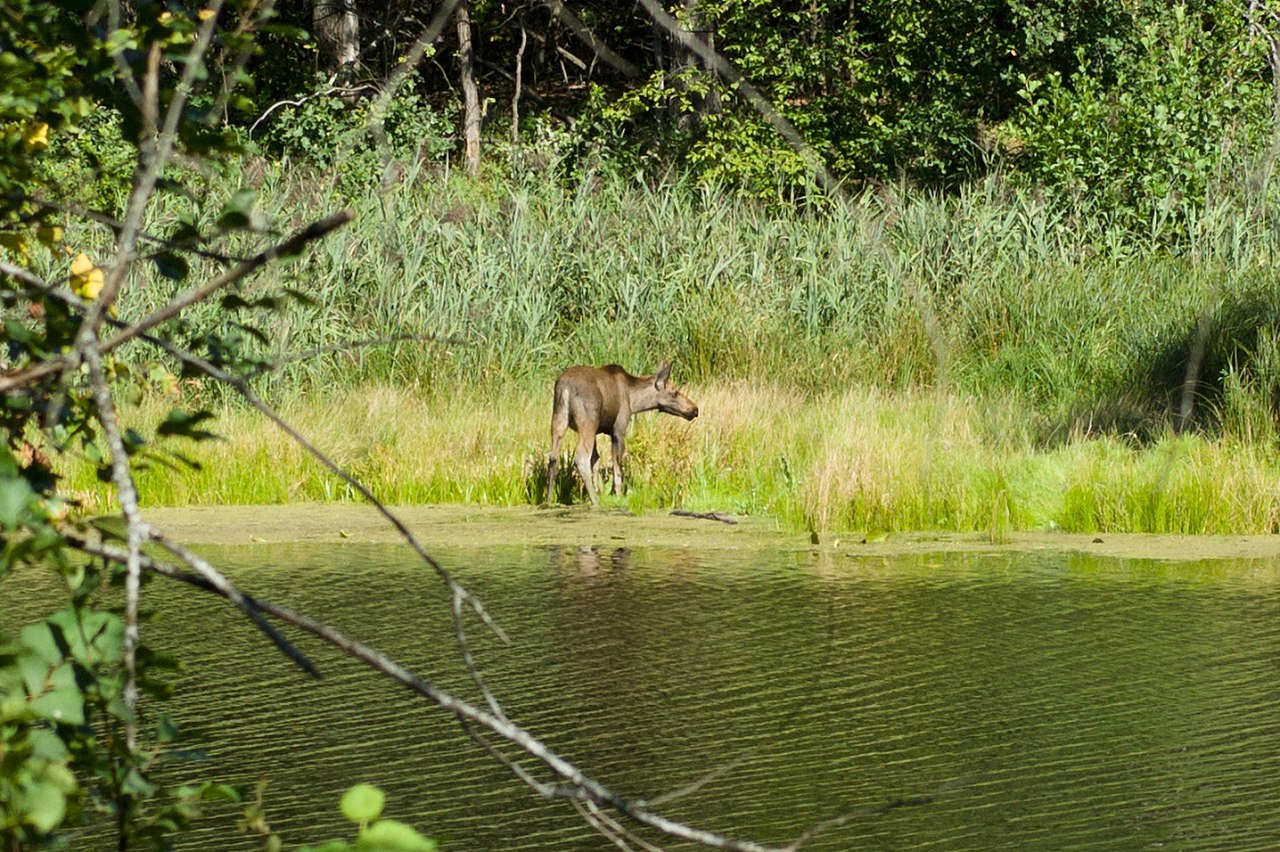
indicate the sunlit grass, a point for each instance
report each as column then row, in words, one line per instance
column 856, row 460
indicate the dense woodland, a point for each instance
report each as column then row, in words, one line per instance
column 1123, row 102
column 927, row 264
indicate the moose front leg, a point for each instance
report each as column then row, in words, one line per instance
column 585, row 460
column 619, row 449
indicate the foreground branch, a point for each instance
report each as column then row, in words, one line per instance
column 292, row 246
column 576, row 785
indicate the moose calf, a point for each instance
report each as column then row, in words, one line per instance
column 600, row 401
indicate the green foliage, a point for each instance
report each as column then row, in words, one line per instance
column 362, row 805
column 1179, row 115
column 49, row 67
column 76, row 750
column 62, row 716
column 94, row 157
column 325, row 130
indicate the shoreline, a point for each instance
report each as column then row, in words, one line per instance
column 482, row 526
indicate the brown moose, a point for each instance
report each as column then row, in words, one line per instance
column 600, row 401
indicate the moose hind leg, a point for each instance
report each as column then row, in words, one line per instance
column 559, row 423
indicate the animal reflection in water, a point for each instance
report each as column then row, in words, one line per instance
column 588, row 561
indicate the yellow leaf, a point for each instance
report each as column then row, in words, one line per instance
column 86, row 278
column 204, row 14
column 36, row 135
column 81, row 265
column 49, row 235
column 16, row 244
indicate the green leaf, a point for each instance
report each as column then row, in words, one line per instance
column 182, row 423
column 137, row 785
column 61, row 705
column 110, row 526
column 33, row 671
column 44, row 805
column 221, row 793
column 172, row 266
column 15, row 497
column 362, row 803
column 236, row 213
column 388, row 835
column 48, row 746
column 40, row 640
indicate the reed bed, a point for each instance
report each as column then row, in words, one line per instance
column 984, row 360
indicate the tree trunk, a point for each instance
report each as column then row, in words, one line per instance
column 470, row 95
column 337, row 29
column 704, row 97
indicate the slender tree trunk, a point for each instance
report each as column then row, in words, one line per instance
column 515, row 97
column 337, row 29
column 470, row 95
column 685, row 62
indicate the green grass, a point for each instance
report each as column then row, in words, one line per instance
column 853, row 460
column 979, row 361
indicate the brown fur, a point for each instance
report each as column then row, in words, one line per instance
column 600, row 401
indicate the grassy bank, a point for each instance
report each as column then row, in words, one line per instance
column 982, row 361
column 854, row 460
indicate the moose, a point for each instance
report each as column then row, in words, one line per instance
column 600, row 401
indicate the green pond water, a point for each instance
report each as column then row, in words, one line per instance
column 959, row 701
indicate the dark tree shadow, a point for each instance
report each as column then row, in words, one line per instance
column 1177, row 381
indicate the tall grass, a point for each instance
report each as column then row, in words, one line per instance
column 982, row 360
column 514, row 278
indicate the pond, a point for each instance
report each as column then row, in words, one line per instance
column 958, row 700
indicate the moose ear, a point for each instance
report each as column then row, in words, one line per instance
column 664, row 373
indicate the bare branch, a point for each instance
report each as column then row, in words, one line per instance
column 706, row 779
column 726, row 69
column 181, row 302
column 329, row 89
column 291, row 246
column 213, row 579
column 127, row 493
column 591, row 40
column 116, row 225
column 577, row 786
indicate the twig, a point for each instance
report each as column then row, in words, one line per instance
column 578, row 785
column 698, row 783
column 116, row 225
column 179, row 303
column 519, row 84
column 215, row 581
column 705, row 516
column 730, row 72
column 591, row 40
column 330, row 89
column 127, row 493
column 350, row 345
